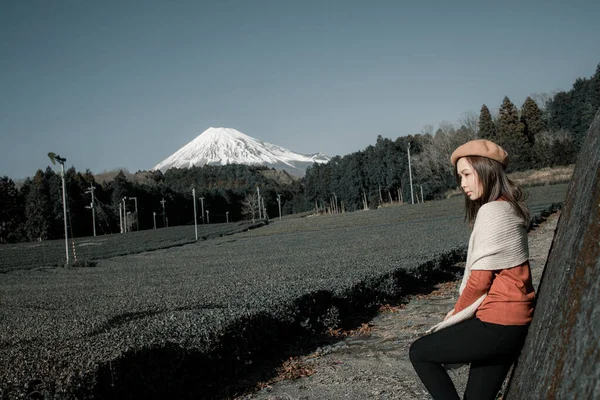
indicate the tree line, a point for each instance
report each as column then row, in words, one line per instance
column 150, row 198
column 536, row 136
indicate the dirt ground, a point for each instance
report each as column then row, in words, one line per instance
column 372, row 362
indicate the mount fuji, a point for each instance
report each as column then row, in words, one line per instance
column 221, row 146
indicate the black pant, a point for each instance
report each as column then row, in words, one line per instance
column 489, row 348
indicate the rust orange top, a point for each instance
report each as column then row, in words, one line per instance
column 510, row 295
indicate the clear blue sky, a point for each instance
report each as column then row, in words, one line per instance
column 110, row 84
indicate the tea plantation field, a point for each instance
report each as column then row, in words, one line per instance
column 51, row 253
column 185, row 321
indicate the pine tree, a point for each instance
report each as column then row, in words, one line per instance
column 509, row 123
column 511, row 136
column 37, row 208
column 487, row 129
column 531, row 117
column 10, row 211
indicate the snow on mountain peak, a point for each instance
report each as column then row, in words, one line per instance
column 221, row 146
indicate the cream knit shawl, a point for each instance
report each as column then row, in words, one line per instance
column 498, row 241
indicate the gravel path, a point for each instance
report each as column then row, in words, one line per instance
column 373, row 363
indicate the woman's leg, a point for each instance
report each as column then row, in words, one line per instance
column 486, row 377
column 470, row 341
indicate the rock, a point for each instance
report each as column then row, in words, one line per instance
column 560, row 359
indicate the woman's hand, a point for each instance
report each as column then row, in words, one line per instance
column 450, row 313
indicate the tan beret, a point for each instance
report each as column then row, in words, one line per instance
column 483, row 148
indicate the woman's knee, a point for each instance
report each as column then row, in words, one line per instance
column 415, row 352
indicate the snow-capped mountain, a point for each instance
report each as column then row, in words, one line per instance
column 221, row 146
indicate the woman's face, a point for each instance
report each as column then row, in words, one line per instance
column 469, row 180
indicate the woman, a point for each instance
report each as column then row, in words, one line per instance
column 488, row 324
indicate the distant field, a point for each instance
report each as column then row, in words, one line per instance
column 51, row 253
column 141, row 324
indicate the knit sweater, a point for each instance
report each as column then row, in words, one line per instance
column 510, row 295
column 498, row 242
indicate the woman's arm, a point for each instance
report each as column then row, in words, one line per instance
column 478, row 284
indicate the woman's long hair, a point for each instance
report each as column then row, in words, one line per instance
column 494, row 184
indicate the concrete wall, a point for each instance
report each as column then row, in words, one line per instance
column 561, row 359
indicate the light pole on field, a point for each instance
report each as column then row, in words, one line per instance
column 91, row 191
column 154, row 218
column 410, row 176
column 258, row 198
column 195, row 218
column 56, row 158
column 163, row 201
column 137, row 220
column 279, row 202
column 124, row 214
column 207, row 217
column 227, row 216
column 202, row 203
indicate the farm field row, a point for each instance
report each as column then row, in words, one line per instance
column 81, row 332
column 51, row 253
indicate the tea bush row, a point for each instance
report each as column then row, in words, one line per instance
column 155, row 322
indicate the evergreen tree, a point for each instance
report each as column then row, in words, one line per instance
column 509, row 123
column 574, row 110
column 559, row 112
column 10, row 211
column 487, row 129
column 37, row 208
column 511, row 136
column 53, row 180
column 531, row 117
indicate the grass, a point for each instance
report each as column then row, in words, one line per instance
column 534, row 177
column 544, row 176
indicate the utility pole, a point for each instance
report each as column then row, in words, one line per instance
column 137, row 220
column 279, row 202
column 422, row 201
column 163, row 201
column 154, row 218
column 258, row 197
column 121, row 216
column 124, row 214
column 412, row 197
column 195, row 218
column 56, row 158
column 202, row 202
column 91, row 191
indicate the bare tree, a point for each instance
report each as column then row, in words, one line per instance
column 427, row 130
column 470, row 121
column 542, row 99
column 250, row 206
